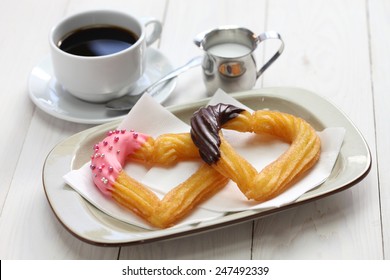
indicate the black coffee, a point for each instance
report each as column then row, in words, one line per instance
column 97, row 41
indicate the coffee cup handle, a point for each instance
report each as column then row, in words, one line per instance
column 155, row 33
column 265, row 36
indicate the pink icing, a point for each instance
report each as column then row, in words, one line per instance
column 110, row 156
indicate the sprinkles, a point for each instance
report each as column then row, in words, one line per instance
column 106, row 154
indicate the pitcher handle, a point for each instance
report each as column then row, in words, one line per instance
column 265, row 36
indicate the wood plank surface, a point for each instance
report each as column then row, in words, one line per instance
column 327, row 52
column 379, row 24
column 338, row 49
column 16, row 66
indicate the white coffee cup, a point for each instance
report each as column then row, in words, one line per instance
column 102, row 77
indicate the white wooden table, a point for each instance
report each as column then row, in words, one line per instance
column 337, row 49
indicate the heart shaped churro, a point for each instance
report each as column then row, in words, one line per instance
column 303, row 153
column 111, row 154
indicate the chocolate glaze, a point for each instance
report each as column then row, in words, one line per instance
column 205, row 125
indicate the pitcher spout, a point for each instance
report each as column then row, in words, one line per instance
column 198, row 40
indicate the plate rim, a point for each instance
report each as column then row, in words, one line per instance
column 226, row 220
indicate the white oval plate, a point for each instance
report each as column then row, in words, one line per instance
column 93, row 226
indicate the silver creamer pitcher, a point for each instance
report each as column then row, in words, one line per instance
column 229, row 62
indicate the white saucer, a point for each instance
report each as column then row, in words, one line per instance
column 50, row 97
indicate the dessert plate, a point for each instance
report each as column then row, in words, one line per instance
column 48, row 95
column 93, row 226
